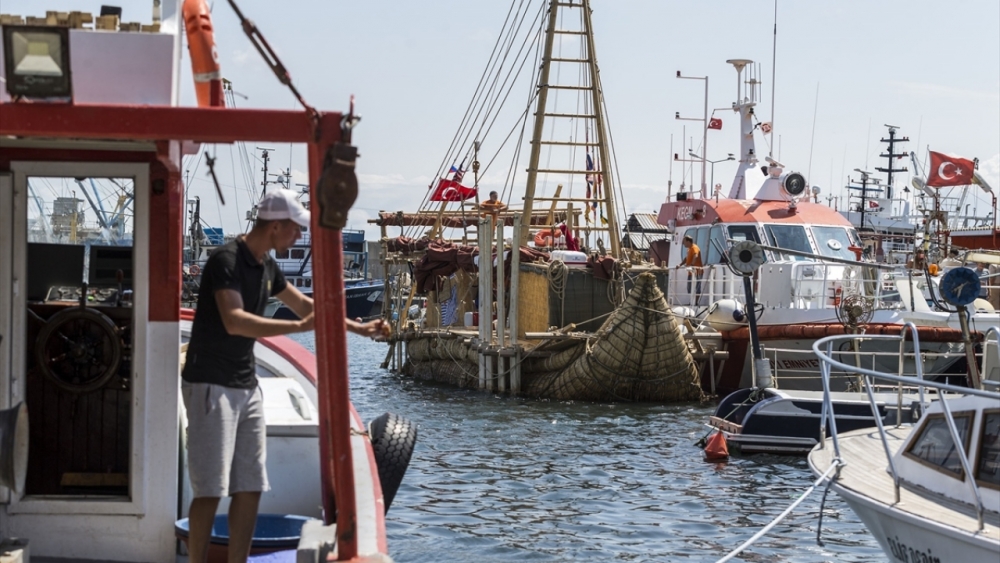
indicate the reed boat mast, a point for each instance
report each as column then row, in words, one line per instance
column 601, row 175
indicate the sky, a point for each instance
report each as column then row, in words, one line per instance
column 842, row 70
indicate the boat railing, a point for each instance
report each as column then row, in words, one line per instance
column 824, row 350
column 789, row 364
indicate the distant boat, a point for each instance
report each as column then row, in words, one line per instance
column 362, row 293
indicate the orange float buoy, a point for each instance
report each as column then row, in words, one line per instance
column 716, row 449
column 204, row 55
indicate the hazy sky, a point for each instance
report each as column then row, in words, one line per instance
column 928, row 67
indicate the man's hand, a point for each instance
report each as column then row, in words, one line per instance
column 377, row 327
column 307, row 324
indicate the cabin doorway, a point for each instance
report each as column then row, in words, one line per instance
column 72, row 315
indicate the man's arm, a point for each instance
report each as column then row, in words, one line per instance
column 241, row 323
column 296, row 301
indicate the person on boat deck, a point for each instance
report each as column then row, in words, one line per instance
column 492, row 206
column 692, row 261
column 226, row 428
column 918, row 262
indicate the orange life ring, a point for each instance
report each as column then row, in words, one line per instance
column 194, row 270
column 545, row 237
column 204, row 55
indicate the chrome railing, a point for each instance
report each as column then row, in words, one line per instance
column 824, row 349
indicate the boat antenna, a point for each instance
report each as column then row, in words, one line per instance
column 812, row 140
column 670, row 175
column 774, row 69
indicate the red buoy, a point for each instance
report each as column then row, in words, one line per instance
column 716, row 449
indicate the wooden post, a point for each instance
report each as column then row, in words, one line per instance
column 501, row 312
column 485, row 299
column 515, row 298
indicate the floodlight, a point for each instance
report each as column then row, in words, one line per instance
column 36, row 60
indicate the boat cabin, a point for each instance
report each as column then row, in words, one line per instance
column 778, row 220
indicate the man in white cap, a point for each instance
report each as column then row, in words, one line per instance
column 226, row 430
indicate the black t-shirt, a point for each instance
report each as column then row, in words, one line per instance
column 214, row 355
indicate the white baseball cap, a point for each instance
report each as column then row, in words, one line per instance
column 281, row 204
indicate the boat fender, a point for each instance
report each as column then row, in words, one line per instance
column 204, row 55
column 726, row 314
column 716, row 448
column 393, row 439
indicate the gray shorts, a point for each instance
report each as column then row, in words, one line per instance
column 226, row 437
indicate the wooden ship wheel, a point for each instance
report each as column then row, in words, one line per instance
column 79, row 350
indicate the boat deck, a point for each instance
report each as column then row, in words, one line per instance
column 867, row 475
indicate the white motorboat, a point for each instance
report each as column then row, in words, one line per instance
column 930, row 490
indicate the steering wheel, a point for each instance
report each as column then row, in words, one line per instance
column 79, row 350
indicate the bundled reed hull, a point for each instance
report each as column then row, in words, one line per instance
column 638, row 354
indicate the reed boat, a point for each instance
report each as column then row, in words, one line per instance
column 543, row 303
column 91, row 431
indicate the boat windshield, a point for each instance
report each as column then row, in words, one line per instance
column 834, row 242
column 934, row 445
column 988, row 472
column 792, row 237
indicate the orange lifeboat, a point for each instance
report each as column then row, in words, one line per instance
column 204, row 55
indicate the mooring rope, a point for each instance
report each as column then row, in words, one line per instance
column 556, row 274
column 836, row 465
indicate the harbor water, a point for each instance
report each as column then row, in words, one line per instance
column 495, row 478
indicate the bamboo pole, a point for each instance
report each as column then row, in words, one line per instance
column 515, row 296
column 543, row 93
column 501, row 311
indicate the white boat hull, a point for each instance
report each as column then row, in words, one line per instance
column 909, row 537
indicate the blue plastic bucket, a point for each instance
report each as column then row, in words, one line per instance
column 272, row 531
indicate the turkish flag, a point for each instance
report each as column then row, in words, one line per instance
column 715, row 123
column 450, row 190
column 948, row 170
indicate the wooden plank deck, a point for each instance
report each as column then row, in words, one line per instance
column 866, row 473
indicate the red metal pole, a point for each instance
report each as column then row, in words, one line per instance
column 333, row 386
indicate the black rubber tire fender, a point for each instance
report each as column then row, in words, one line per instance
column 393, row 439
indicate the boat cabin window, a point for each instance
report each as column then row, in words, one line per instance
column 716, row 245
column 834, row 242
column 298, row 253
column 934, row 446
column 792, row 237
column 78, row 321
column 283, row 255
column 743, row 232
column 988, row 465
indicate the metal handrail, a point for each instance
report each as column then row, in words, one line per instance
column 826, row 416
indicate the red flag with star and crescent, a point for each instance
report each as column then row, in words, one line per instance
column 947, row 170
column 450, row 190
column 715, row 123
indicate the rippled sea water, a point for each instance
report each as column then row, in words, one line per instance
column 500, row 479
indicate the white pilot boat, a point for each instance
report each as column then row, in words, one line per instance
column 813, row 282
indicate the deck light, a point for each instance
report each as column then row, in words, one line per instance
column 36, row 61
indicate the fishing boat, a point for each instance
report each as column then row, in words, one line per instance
column 91, row 335
column 361, row 293
column 572, row 316
column 927, row 490
column 815, row 279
